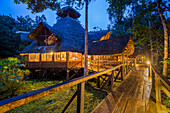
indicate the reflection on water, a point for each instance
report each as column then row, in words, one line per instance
column 144, row 71
column 146, row 85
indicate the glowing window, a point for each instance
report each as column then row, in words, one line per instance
column 46, row 57
column 56, row 56
column 63, row 56
column 34, row 57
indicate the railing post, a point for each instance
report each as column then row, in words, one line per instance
column 150, row 67
column 80, row 97
column 123, row 67
column 112, row 77
column 127, row 63
column 121, row 73
column 157, row 89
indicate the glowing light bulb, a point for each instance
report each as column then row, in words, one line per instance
column 148, row 62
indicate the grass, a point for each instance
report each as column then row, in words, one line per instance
column 57, row 101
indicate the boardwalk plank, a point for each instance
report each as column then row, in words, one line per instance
column 132, row 95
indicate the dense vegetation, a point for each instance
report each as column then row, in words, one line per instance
column 142, row 18
column 12, row 73
column 14, row 81
column 11, row 44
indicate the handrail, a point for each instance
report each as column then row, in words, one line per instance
column 163, row 79
column 8, row 104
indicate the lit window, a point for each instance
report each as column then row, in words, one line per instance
column 49, row 57
column 43, row 57
column 46, row 57
column 63, row 56
column 56, row 56
column 34, row 57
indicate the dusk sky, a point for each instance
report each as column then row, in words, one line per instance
column 98, row 16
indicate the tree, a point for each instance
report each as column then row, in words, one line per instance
column 40, row 5
column 11, row 44
column 7, row 38
column 146, row 23
column 165, row 37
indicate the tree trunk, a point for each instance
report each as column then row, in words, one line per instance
column 157, row 51
column 151, row 49
column 86, row 41
column 165, row 38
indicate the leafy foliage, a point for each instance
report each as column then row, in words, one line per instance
column 40, row 5
column 10, row 43
column 11, row 76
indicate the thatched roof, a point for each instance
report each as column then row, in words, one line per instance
column 32, row 48
column 39, row 28
column 72, row 36
column 68, row 11
column 111, row 46
column 96, row 35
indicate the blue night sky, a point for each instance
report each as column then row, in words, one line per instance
column 98, row 16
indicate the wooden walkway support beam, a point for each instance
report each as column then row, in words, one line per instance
column 80, row 97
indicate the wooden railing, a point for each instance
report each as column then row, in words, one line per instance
column 17, row 101
column 161, row 83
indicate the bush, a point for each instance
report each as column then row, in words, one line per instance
column 11, row 76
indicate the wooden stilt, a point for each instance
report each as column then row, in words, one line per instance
column 68, row 71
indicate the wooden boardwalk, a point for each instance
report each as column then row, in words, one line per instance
column 131, row 96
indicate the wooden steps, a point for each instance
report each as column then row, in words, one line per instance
column 131, row 96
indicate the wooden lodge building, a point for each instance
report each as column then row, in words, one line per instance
column 62, row 46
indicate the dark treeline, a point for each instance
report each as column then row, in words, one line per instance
column 10, row 42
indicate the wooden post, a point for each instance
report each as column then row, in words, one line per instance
column 157, row 89
column 150, row 70
column 123, row 62
column 67, row 60
column 80, row 97
column 28, row 60
column 53, row 59
column 111, row 88
column 98, row 63
column 81, row 60
column 127, row 63
column 98, row 69
column 60, row 56
column 40, row 61
column 121, row 73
